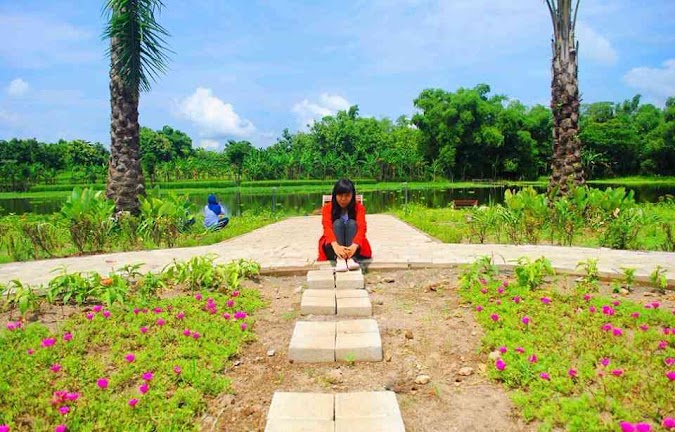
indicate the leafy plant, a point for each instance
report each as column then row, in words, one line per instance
column 658, row 279
column 482, row 220
column 89, row 216
column 628, row 277
column 23, row 297
column 531, row 274
column 44, row 237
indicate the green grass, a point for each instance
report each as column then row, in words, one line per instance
column 568, row 334
column 451, row 226
column 174, row 401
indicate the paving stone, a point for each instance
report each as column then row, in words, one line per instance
column 357, row 326
column 349, row 280
column 299, row 425
column 366, row 404
column 321, row 305
column 319, row 293
column 358, row 347
column 376, row 424
column 312, row 342
column 300, row 405
column 347, row 293
column 354, row 307
column 320, row 279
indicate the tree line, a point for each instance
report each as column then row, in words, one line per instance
column 462, row 135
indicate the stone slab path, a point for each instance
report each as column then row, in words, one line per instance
column 291, row 245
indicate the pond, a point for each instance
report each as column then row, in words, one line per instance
column 375, row 201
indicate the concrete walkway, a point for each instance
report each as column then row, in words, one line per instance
column 291, row 245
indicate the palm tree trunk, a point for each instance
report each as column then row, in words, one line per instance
column 566, row 159
column 125, row 177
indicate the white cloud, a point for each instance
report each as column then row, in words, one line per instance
column 36, row 42
column 17, row 87
column 212, row 116
column 209, row 144
column 594, row 46
column 657, row 84
column 328, row 104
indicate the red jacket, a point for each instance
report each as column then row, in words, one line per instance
column 328, row 236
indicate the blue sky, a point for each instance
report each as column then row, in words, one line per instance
column 247, row 69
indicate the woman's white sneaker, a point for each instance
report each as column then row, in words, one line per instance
column 352, row 265
column 341, row 265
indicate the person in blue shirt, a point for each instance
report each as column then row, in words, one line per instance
column 215, row 214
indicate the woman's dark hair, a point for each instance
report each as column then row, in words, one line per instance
column 343, row 186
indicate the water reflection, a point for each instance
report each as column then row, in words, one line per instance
column 306, row 203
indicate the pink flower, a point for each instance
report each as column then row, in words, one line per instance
column 68, row 337
column 669, row 361
column 668, row 423
column 64, row 410
column 4, row 428
column 11, row 326
column 666, row 331
column 494, row 317
column 72, row 396
column 161, row 322
column 196, row 335
column 627, row 427
column 545, row 300
column 478, row 309
column 520, row 350
column 158, row 310
column 187, row 332
column 648, row 306
column 180, row 315
column 604, row 362
column 500, row 365
column 55, row 367
column 137, row 311
column 656, row 305
column 148, row 376
column 617, row 372
column 606, row 327
column 227, row 315
column 635, row 315
column 670, row 375
column 106, row 313
column 132, row 402
column 30, row 351
column 592, row 309
column 484, row 290
column 500, row 290
column 545, row 376
column 587, row 297
column 61, row 428
column 97, row 308
column 102, row 383
column 483, row 281
column 498, row 301
column 617, row 331
column 607, row 310
column 143, row 388
column 616, row 303
column 533, row 358
column 177, row 370
column 130, row 357
column 49, row 342
column 644, row 327
column 244, row 326
column 643, row 427
column 144, row 329
column 502, row 349
column 505, row 284
column 663, row 345
column 526, row 320
column 235, row 293
column 516, row 299
column 572, row 373
column 230, row 303
column 240, row 315
column 198, row 297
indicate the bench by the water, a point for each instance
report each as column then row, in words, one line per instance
column 459, row 203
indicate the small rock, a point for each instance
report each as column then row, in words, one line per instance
column 271, row 353
column 624, row 291
column 390, row 383
column 227, row 399
column 389, row 280
column 250, row 410
column 465, row 371
column 409, row 334
column 422, row 379
column 473, row 333
column 379, row 302
column 334, row 376
column 494, row 355
column 648, row 294
column 387, row 356
column 257, row 359
column 298, row 290
column 237, row 362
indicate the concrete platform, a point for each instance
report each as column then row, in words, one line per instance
column 318, row 302
column 354, row 306
column 344, row 412
column 358, row 340
column 346, row 293
column 320, row 279
column 312, row 342
column 349, row 280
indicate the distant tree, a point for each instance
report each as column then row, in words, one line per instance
column 137, row 55
column 236, row 153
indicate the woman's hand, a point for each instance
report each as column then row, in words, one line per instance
column 351, row 250
column 340, row 251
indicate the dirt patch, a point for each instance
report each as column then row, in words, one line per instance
column 425, row 331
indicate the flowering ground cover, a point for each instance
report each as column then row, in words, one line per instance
column 147, row 365
column 576, row 360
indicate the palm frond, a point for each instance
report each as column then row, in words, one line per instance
column 138, row 50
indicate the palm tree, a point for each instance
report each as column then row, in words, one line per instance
column 566, row 160
column 137, row 54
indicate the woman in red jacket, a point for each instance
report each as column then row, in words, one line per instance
column 344, row 228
